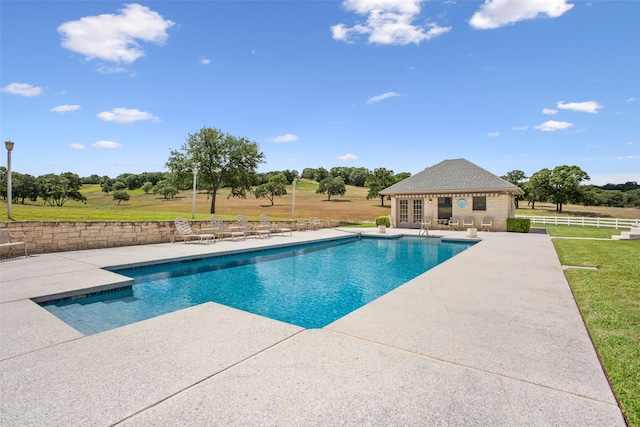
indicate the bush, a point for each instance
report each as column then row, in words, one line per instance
column 383, row 220
column 518, row 225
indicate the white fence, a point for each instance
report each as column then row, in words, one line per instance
column 583, row 222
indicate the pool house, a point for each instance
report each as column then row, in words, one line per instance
column 455, row 188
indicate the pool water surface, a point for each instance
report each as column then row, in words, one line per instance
column 309, row 285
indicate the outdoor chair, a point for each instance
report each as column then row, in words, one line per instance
column 301, row 225
column 468, row 222
column 10, row 240
column 186, row 233
column 219, row 229
column 454, row 222
column 273, row 228
column 486, row 223
column 314, row 223
column 247, row 228
column 424, row 226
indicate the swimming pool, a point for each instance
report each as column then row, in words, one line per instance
column 309, row 285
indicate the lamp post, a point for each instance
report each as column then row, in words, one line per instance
column 9, row 146
column 293, row 200
column 193, row 202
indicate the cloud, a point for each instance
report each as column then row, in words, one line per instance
column 520, row 128
column 205, row 61
column 65, row 108
column 549, row 111
column 498, row 13
column 115, row 37
column 23, row 89
column 107, row 69
column 75, row 146
column 389, row 22
column 633, row 99
column 493, row 134
column 553, row 125
column 385, row 95
column 126, row 115
column 347, row 157
column 289, row 137
column 627, row 157
column 106, row 144
column 585, row 107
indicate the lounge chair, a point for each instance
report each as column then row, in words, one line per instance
column 301, row 225
column 9, row 240
column 454, row 222
column 218, row 228
column 486, row 223
column 315, row 223
column 245, row 226
column 468, row 222
column 273, row 228
column 186, row 233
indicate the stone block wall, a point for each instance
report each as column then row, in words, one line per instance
column 60, row 236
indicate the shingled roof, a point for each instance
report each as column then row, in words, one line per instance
column 456, row 175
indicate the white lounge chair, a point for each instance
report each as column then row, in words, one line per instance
column 245, row 226
column 266, row 224
column 468, row 222
column 424, row 226
column 454, row 222
column 315, row 223
column 219, row 229
column 11, row 240
column 186, row 233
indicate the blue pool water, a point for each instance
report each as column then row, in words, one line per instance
column 307, row 285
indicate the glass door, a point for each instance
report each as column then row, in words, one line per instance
column 403, row 213
column 444, row 208
column 416, row 213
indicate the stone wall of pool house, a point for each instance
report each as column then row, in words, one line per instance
column 60, row 236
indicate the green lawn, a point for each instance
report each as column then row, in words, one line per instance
column 609, row 300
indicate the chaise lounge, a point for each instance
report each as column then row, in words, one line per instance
column 186, row 233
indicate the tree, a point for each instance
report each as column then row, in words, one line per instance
column 539, row 187
column 221, row 160
column 107, row 184
column 275, row 187
column 165, row 189
column 380, row 179
column 320, row 174
column 24, row 186
column 119, row 185
column 121, row 195
column 147, row 187
column 57, row 189
column 358, row 176
column 516, row 177
column 565, row 185
column 332, row 187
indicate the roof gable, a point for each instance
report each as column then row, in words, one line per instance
column 451, row 175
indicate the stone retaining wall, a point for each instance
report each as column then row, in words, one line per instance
column 60, row 236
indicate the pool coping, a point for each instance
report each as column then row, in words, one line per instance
column 491, row 336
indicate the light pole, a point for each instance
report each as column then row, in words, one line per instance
column 193, row 202
column 293, row 200
column 9, row 146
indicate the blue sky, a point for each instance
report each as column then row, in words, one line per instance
column 108, row 87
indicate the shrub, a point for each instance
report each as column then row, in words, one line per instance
column 518, row 225
column 383, row 220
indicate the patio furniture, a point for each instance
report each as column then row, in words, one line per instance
column 247, row 228
column 454, row 222
column 301, row 225
column 424, row 226
column 443, row 223
column 314, row 223
column 219, row 229
column 10, row 240
column 274, row 228
column 486, row 223
column 468, row 222
column 186, row 233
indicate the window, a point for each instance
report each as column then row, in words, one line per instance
column 417, row 211
column 404, row 211
column 479, row 203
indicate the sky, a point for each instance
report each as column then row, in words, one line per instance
column 110, row 87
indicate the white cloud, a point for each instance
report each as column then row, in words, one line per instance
column 126, row 115
column 114, row 37
column 65, row 108
column 627, row 157
column 385, row 95
column 585, row 107
column 493, row 134
column 205, row 61
column 553, row 125
column 75, row 146
column 633, row 99
column 23, row 89
column 347, row 157
column 389, row 22
column 106, row 144
column 520, row 128
column 289, row 137
column 107, row 69
column 549, row 111
column 498, row 13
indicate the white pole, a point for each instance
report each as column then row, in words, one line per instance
column 193, row 201
column 9, row 146
column 293, row 200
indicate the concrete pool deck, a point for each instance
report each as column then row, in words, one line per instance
column 491, row 337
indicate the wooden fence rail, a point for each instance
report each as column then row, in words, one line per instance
column 583, row 222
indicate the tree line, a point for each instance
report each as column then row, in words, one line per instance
column 564, row 184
